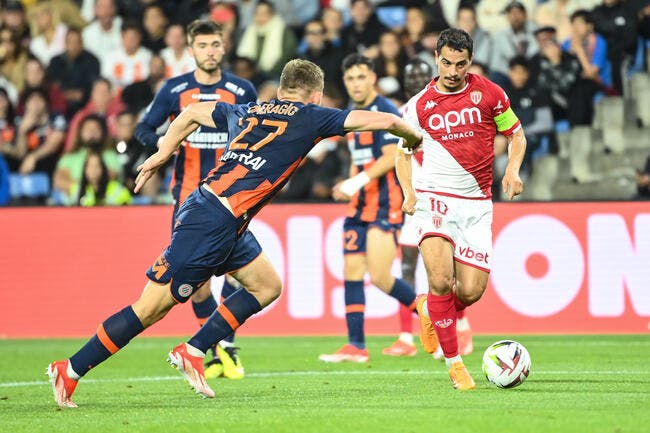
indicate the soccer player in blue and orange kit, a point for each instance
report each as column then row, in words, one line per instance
column 200, row 152
column 374, row 216
column 269, row 142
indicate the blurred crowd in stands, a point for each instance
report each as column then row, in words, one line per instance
column 76, row 75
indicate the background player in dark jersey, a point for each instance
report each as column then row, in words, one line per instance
column 200, row 152
column 374, row 216
column 270, row 140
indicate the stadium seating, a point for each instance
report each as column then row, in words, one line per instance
column 30, row 185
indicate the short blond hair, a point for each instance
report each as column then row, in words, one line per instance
column 302, row 77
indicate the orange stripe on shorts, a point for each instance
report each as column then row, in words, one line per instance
column 413, row 305
column 355, row 308
column 106, row 340
column 228, row 316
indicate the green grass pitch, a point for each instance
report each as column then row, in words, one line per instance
column 577, row 384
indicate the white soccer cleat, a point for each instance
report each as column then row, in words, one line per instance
column 191, row 367
column 62, row 385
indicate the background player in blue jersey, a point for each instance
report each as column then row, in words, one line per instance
column 200, row 152
column 374, row 216
column 269, row 142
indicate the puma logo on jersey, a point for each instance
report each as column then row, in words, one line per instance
column 429, row 105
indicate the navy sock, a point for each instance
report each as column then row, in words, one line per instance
column 355, row 306
column 225, row 319
column 226, row 291
column 203, row 310
column 113, row 334
column 404, row 293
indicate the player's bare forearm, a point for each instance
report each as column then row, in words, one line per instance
column 511, row 182
column 405, row 177
column 363, row 120
column 516, row 150
column 383, row 164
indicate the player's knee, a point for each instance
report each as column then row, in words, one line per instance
column 469, row 294
column 440, row 283
column 384, row 281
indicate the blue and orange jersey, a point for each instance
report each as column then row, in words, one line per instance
column 269, row 141
column 37, row 135
column 203, row 148
column 381, row 198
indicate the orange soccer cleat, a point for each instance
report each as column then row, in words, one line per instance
column 428, row 336
column 460, row 377
column 191, row 367
column 62, row 385
column 347, row 353
column 400, row 348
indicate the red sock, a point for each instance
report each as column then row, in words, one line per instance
column 405, row 319
column 442, row 311
column 459, row 304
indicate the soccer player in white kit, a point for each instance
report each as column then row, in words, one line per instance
column 459, row 115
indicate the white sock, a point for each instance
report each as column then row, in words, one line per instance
column 449, row 361
column 462, row 324
column 194, row 351
column 406, row 337
column 71, row 373
column 225, row 344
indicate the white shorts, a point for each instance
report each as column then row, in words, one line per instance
column 408, row 235
column 465, row 222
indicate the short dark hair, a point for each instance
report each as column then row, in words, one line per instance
column 582, row 13
column 202, row 27
column 457, row 40
column 266, row 3
column 519, row 61
column 131, row 24
column 355, row 59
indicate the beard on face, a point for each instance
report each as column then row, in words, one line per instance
column 209, row 69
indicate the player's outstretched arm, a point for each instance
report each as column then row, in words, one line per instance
column 511, row 182
column 187, row 122
column 404, row 175
column 363, row 120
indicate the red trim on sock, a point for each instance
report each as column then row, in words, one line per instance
column 442, row 312
column 405, row 319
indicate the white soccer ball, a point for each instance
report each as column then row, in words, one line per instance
column 506, row 363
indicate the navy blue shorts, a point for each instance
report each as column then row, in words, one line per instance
column 355, row 233
column 204, row 243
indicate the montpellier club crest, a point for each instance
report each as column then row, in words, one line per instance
column 475, row 96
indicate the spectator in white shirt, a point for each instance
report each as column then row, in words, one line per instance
column 130, row 62
column 177, row 60
column 49, row 33
column 103, row 34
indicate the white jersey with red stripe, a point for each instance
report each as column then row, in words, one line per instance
column 459, row 130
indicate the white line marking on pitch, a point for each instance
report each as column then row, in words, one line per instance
column 323, row 373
